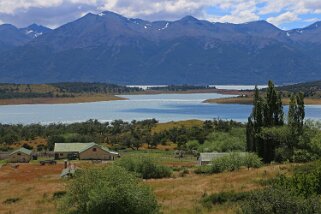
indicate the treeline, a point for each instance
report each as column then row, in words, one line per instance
column 11, row 91
column 11, row 95
column 118, row 134
column 82, row 87
column 275, row 140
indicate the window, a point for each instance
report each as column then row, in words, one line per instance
column 94, row 149
column 19, row 153
column 61, row 154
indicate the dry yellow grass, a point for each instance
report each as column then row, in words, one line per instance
column 61, row 100
column 35, row 185
column 182, row 194
column 34, row 143
column 177, row 124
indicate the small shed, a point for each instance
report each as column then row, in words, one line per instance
column 206, row 158
column 21, row 155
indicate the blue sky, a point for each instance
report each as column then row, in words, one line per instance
column 286, row 14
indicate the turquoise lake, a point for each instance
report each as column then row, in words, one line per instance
column 163, row 107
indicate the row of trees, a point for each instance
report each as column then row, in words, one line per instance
column 119, row 134
column 270, row 137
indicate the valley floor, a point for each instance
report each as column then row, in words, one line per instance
column 33, row 186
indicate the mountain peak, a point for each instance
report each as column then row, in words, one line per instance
column 260, row 23
column 189, row 19
column 33, row 25
column 8, row 26
column 109, row 13
column 313, row 26
column 34, row 30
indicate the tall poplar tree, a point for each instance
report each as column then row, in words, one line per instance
column 300, row 112
column 273, row 109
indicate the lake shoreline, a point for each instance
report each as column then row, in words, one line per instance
column 85, row 98
column 249, row 101
column 60, row 100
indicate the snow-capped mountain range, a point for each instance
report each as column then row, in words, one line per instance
column 108, row 47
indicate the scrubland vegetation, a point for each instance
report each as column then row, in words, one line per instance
column 272, row 165
column 231, row 162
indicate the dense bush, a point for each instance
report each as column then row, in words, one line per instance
column 299, row 193
column 306, row 180
column 206, row 169
column 232, row 140
column 303, row 156
column 144, row 167
column 278, row 201
column 223, row 197
column 110, row 190
column 231, row 162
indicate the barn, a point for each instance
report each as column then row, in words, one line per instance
column 21, row 155
column 83, row 151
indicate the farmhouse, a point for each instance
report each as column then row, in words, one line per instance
column 21, row 155
column 206, row 158
column 83, row 151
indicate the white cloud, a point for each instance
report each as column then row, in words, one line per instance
column 283, row 18
column 312, row 20
column 236, row 11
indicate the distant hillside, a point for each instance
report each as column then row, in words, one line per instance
column 108, row 47
column 14, row 91
column 11, row 36
column 310, row 89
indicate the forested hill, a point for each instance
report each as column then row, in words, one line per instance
column 9, row 91
column 108, row 47
column 310, row 89
column 73, row 89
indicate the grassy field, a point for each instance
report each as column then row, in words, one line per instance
column 249, row 101
column 32, row 186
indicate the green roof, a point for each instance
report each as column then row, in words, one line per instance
column 72, row 147
column 78, row 147
column 22, row 150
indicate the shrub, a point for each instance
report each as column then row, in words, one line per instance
column 11, row 200
column 110, row 190
column 305, row 182
column 184, row 172
column 58, row 194
column 144, row 167
column 251, row 160
column 303, row 156
column 275, row 200
column 203, row 169
column 192, row 145
column 234, row 140
column 231, row 162
column 223, row 197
